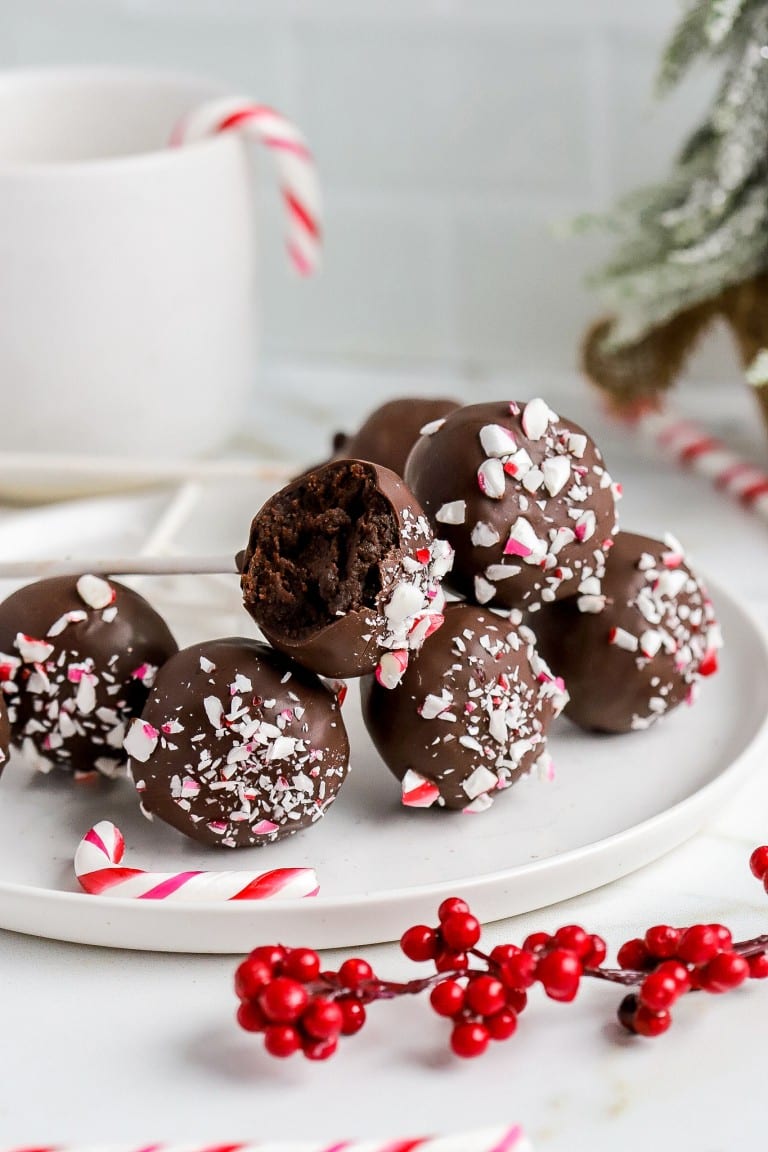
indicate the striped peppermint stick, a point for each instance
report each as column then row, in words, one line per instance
column 98, row 868
column 489, row 1140
column 292, row 158
column 692, row 447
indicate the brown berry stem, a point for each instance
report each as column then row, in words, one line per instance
column 627, row 977
column 752, row 947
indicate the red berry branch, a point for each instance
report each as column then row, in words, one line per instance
column 284, row 994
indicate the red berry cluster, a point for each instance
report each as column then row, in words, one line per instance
column 298, row 1007
column 484, row 1003
column 680, row 960
column 284, row 995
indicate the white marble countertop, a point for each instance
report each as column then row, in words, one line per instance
column 103, row 1046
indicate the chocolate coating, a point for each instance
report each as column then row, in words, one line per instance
column 634, row 652
column 470, row 715
column 237, row 745
column 342, row 571
column 77, row 659
column 389, row 433
column 5, row 736
column 522, row 496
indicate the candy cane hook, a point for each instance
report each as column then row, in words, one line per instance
column 99, row 870
column 292, row 157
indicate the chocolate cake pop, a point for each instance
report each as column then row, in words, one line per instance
column 5, row 736
column 635, row 650
column 238, row 745
column 470, row 715
column 342, row 571
column 77, row 659
column 522, row 496
column 388, row 434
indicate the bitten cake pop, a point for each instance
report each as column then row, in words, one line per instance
column 77, row 659
column 5, row 736
column 634, row 651
column 470, row 715
column 389, row 433
column 342, row 571
column 238, row 745
column 522, row 496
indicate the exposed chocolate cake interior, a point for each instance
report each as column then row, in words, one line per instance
column 316, row 551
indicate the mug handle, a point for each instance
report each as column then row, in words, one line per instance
column 292, row 157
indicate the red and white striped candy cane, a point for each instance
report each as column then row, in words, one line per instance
column 98, row 868
column 489, row 1140
column 292, row 157
column 693, row 447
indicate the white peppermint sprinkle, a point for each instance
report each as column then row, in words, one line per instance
column 484, row 591
column 391, row 669
column 480, row 804
column 497, row 440
column 482, row 780
column 282, row 749
column 577, row 444
column 490, row 478
column 141, row 740
column 497, row 726
column 34, row 758
column 557, row 471
column 484, row 535
column 442, row 558
column 519, row 463
column 454, row 512
column 623, row 639
column 76, row 617
column 591, row 604
column 524, row 542
column 109, row 614
column 502, row 571
column 95, row 592
column 417, row 791
column 85, row 698
column 585, row 526
column 32, row 651
column 434, row 705
column 214, row 710
column 533, row 480
column 590, row 586
column 406, row 599
column 671, row 582
column 432, row 427
column 650, row 642
column 207, row 665
column 536, row 417
column 562, row 537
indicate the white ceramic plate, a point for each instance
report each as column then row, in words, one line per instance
column 616, row 804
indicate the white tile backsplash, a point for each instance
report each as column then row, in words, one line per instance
column 521, row 303
column 449, row 134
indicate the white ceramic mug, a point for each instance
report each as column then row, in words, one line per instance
column 127, row 287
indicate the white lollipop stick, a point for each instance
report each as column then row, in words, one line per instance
column 292, row 158
column 692, row 447
column 138, row 470
column 488, row 1140
column 98, row 868
column 119, row 566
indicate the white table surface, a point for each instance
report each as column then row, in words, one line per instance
column 104, row 1046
